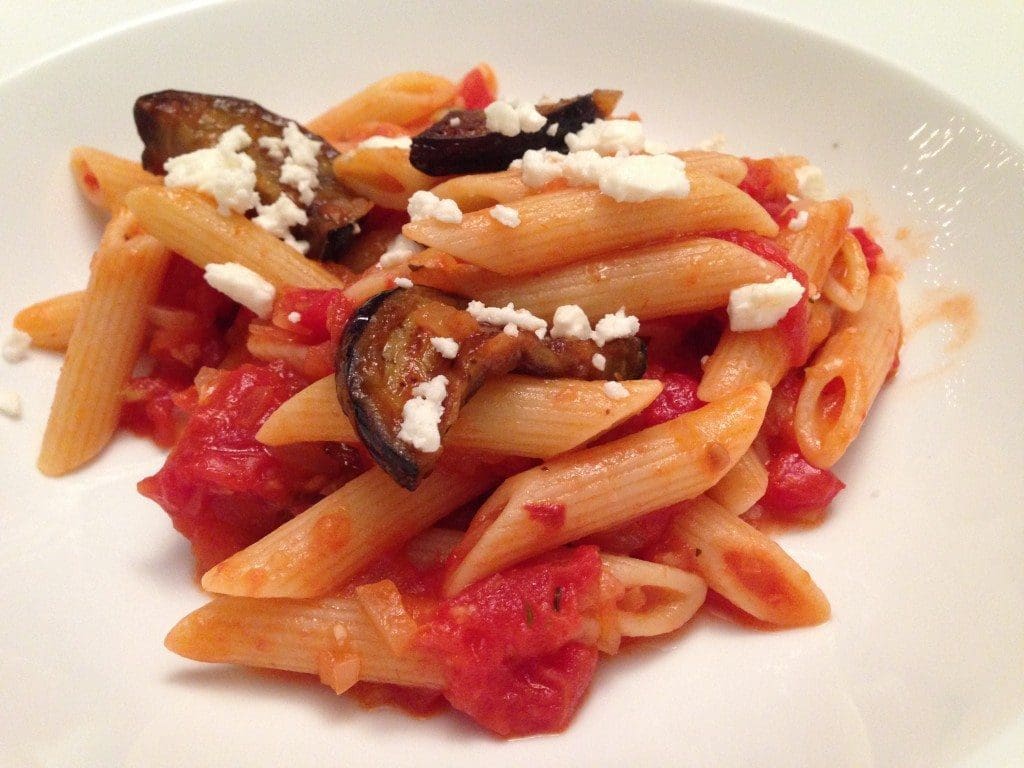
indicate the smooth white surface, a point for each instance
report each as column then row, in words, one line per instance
column 922, row 663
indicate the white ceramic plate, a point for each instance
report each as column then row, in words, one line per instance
column 923, row 661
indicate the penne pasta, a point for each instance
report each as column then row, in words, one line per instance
column 124, row 279
column 189, row 224
column 573, row 224
column 601, row 487
column 743, row 485
column 664, row 598
column 383, row 176
column 728, row 168
column 815, row 246
column 746, row 567
column 514, row 415
column 51, row 322
column 841, row 385
column 476, row 191
column 104, row 179
column 847, row 283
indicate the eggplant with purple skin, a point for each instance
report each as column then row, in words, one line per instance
column 173, row 123
column 386, row 351
column 467, row 146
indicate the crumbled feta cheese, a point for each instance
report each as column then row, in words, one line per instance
column 511, row 329
column 510, row 118
column 639, row 178
column 570, row 322
column 615, row 390
column 403, row 282
column 608, row 137
column 503, row 214
column 714, row 143
column 422, row 413
column 599, row 361
column 243, row 285
column 356, row 229
column 455, row 122
column 10, row 403
column 446, row 347
column 798, row 222
column 222, row 171
column 399, row 251
column 812, row 182
column 301, row 178
column 279, row 217
column 294, row 318
column 552, row 130
column 298, row 153
column 540, row 166
column 655, row 147
column 508, row 315
column 704, row 360
column 386, row 142
column 427, row 205
column 586, row 167
column 758, row 306
column 16, row 346
column 617, row 326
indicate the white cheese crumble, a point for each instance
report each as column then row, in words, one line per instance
column 617, row 326
column 427, row 205
column 403, row 282
column 608, row 137
column 599, row 361
column 446, row 347
column 758, row 306
column 223, row 172
column 615, row 390
column 386, row 142
column 508, row 315
column 798, row 222
column 510, row 118
column 300, row 167
column 570, row 322
column 16, row 346
column 714, row 143
column 422, row 413
column 626, row 178
column 399, row 251
column 511, row 329
column 279, row 217
column 552, row 130
column 503, row 214
column 294, row 318
column 811, row 182
column 455, row 122
column 10, row 403
column 241, row 284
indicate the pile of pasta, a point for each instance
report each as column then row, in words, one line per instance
column 538, row 467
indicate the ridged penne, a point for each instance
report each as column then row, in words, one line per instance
column 662, row 598
column 124, row 279
column 383, row 176
column 573, row 224
column 476, row 191
column 746, row 567
column 189, row 224
column 650, row 282
column 813, row 247
column 50, row 322
column 407, row 97
column 847, row 283
column 728, row 168
column 513, row 415
column 105, row 179
column 601, row 487
column 293, row 635
column 320, row 549
column 742, row 485
column 847, row 374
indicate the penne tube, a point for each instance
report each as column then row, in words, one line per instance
column 294, row 635
column 841, row 385
column 476, row 191
column 847, row 283
column 108, row 334
column 668, row 597
column 407, row 97
column 746, row 567
column 319, row 550
column 650, row 282
column 383, row 176
column 741, row 358
column 815, row 246
column 51, row 322
column 189, row 224
column 573, row 224
column 602, row 487
column 743, row 485
column 104, row 179
column 728, row 168
column 513, row 415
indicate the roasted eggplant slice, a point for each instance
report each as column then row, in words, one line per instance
column 173, row 123
column 386, row 351
column 468, row 147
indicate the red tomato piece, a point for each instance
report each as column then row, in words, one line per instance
column 322, row 314
column 510, row 643
column 478, row 88
column 762, row 183
column 150, row 410
column 872, row 250
column 797, row 488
